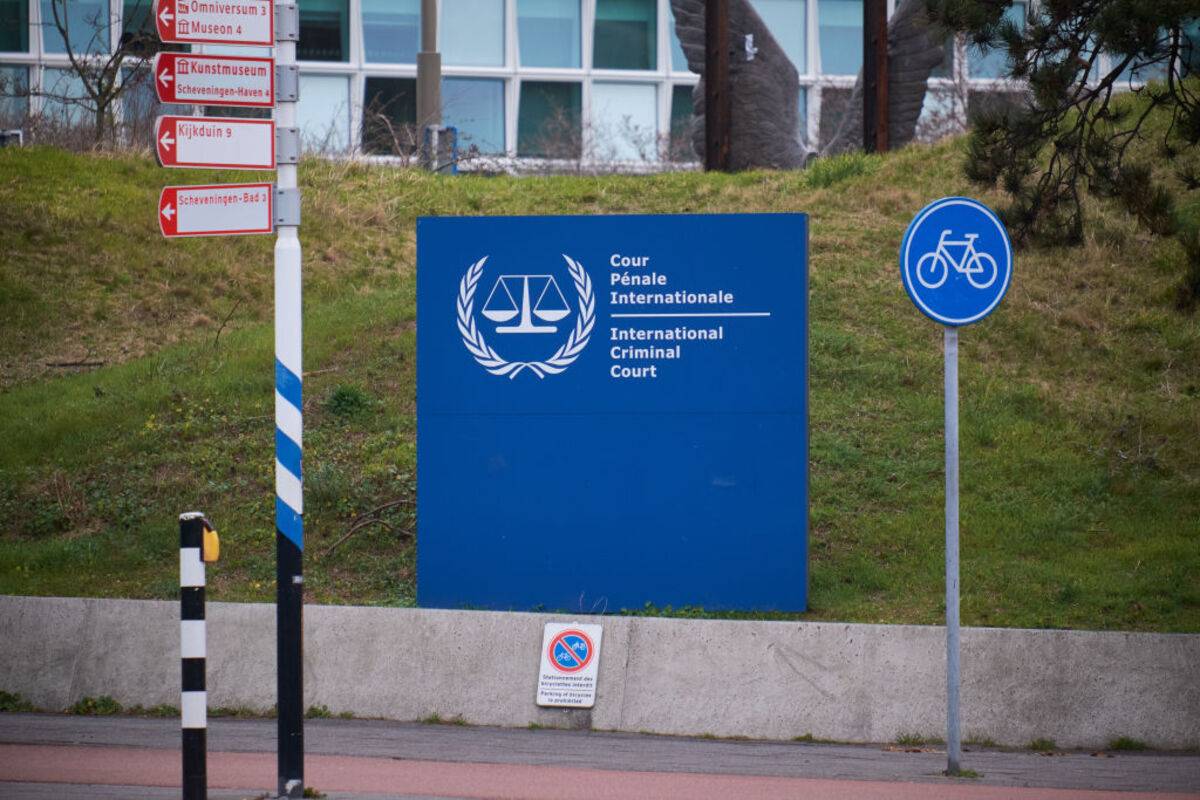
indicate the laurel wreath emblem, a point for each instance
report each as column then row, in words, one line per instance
column 492, row 361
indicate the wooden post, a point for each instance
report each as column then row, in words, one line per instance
column 718, row 104
column 875, row 76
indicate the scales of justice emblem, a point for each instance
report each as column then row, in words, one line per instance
column 534, row 302
column 550, row 306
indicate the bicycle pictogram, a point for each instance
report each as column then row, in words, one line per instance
column 934, row 267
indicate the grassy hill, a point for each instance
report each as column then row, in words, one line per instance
column 1080, row 396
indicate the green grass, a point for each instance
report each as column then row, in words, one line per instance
column 1080, row 396
column 966, row 773
column 1043, row 745
column 917, row 740
column 1127, row 744
column 102, row 706
column 14, row 703
column 808, row 738
column 437, row 719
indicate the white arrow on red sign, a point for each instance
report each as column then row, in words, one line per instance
column 215, row 142
column 246, row 22
column 222, row 210
column 184, row 78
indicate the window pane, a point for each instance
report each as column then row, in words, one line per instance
column 139, row 106
column 476, row 107
column 1147, row 72
column 683, row 117
column 841, row 36
column 625, row 35
column 802, row 117
column 391, row 30
column 625, row 121
column 14, row 26
column 14, row 95
column 136, row 20
column 946, row 68
column 786, row 21
column 472, row 32
column 548, row 32
column 64, row 99
column 390, row 116
column 86, row 22
column 993, row 62
column 323, row 113
column 324, row 30
column 678, row 59
column 1190, row 55
column 548, row 125
column 939, row 116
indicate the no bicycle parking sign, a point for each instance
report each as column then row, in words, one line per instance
column 569, row 666
column 612, row 411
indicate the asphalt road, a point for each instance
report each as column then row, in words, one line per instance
column 64, row 757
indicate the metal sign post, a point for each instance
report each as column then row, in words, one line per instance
column 953, row 740
column 289, row 495
column 956, row 264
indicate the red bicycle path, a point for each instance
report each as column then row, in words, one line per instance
column 147, row 767
column 382, row 759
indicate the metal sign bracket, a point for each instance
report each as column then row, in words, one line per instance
column 287, row 22
column 287, row 83
column 287, row 145
column 287, row 206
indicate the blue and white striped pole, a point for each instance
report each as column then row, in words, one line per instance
column 193, row 699
column 289, row 494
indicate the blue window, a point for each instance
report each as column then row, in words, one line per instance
column 391, row 30
column 14, row 94
column 64, row 100
column 549, row 33
column 626, row 35
column 14, row 26
column 86, row 23
column 476, row 107
column 678, row 59
column 548, row 119
column 993, row 62
column 324, row 30
column 323, row 113
column 625, row 121
column 788, row 22
column 841, row 36
column 480, row 41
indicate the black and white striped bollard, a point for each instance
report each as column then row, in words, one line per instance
column 197, row 544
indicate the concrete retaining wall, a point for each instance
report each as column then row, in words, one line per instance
column 774, row 680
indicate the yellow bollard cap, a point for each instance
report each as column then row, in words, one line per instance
column 211, row 549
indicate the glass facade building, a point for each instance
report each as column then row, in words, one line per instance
column 604, row 80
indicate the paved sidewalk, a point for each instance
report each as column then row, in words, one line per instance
column 41, row 755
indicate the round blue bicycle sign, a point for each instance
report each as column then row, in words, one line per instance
column 956, row 261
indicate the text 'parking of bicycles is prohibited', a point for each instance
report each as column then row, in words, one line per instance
column 570, row 662
column 956, row 261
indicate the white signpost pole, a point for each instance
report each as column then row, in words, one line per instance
column 953, row 733
column 289, row 493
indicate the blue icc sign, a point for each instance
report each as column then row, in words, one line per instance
column 956, row 261
column 612, row 411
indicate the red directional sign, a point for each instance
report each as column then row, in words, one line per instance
column 214, row 80
column 215, row 142
column 223, row 210
column 249, row 22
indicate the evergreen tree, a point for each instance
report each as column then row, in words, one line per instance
column 1077, row 131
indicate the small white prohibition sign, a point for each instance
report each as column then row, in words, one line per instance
column 971, row 264
column 493, row 362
